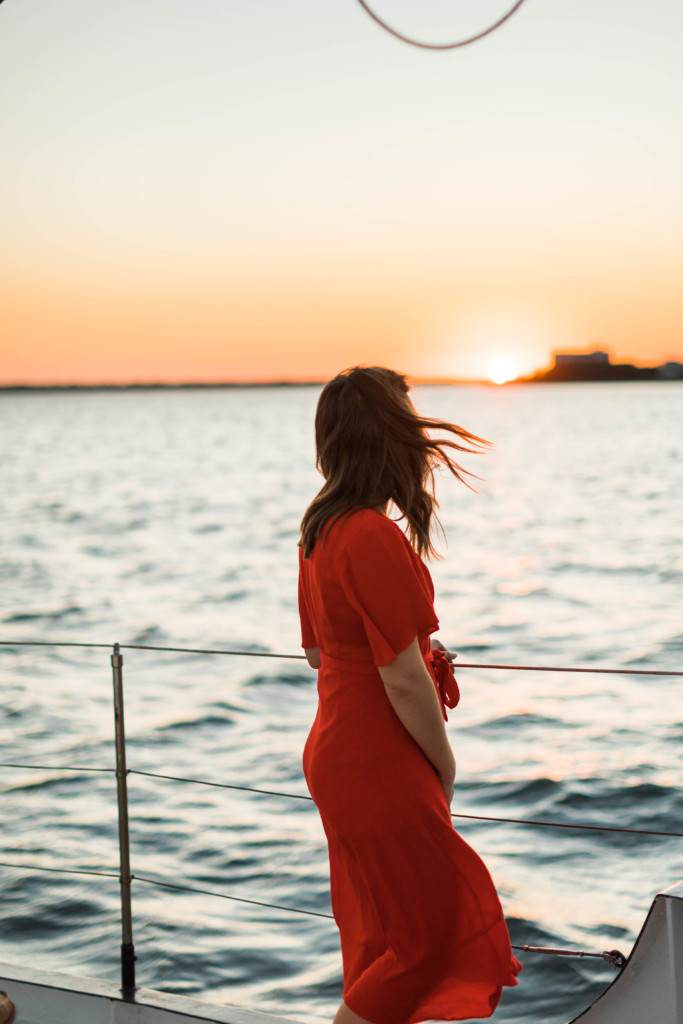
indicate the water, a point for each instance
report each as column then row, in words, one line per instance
column 170, row 518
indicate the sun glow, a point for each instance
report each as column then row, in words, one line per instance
column 502, row 370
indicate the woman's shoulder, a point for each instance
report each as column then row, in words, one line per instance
column 371, row 545
column 368, row 520
column 372, row 526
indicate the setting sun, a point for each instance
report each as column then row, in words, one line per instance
column 502, row 370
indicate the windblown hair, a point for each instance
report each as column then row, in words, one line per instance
column 373, row 448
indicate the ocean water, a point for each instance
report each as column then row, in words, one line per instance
column 170, row 518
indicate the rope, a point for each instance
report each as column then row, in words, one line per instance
column 439, row 46
column 610, row 957
column 302, row 796
column 302, row 657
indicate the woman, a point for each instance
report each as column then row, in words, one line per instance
column 422, row 931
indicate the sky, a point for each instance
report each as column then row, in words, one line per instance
column 244, row 190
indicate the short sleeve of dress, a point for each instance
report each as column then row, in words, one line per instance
column 308, row 638
column 385, row 582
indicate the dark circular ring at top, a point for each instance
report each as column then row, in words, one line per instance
column 440, row 46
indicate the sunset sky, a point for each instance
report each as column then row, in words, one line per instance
column 275, row 189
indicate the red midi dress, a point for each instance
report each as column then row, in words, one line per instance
column 422, row 931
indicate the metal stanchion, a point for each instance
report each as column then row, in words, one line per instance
column 127, row 948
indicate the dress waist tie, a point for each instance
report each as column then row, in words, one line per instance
column 356, row 667
column 444, row 680
column 438, row 664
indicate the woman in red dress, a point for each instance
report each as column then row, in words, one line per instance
column 422, row 931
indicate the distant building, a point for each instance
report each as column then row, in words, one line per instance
column 580, row 363
column 580, row 366
column 670, row 371
column 594, row 366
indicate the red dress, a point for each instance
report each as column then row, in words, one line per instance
column 422, row 931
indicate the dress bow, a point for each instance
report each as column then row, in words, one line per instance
column 446, row 686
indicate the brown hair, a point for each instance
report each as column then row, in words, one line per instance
column 373, row 448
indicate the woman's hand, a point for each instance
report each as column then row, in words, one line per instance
column 448, row 781
column 412, row 694
column 436, row 645
column 313, row 656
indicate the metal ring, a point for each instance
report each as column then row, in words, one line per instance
column 439, row 46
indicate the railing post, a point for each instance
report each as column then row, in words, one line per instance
column 127, row 948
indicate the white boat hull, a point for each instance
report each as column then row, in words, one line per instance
column 45, row 997
column 649, row 989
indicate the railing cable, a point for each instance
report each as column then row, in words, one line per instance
column 199, row 650
column 226, row 896
column 49, row 643
column 125, row 876
column 473, row 817
column 164, row 885
column 563, row 824
column 150, row 647
column 59, row 767
column 589, row 669
column 302, row 796
column 222, row 785
column 613, row 957
column 59, row 871
column 571, row 668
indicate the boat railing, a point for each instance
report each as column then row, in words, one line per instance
column 122, row 771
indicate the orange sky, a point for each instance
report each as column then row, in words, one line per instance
column 204, row 197
column 99, row 327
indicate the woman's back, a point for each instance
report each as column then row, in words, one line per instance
column 364, row 592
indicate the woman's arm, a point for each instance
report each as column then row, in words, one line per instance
column 412, row 694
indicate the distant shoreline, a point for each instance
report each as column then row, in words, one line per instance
column 251, row 385
column 642, row 375
column 227, row 385
column 231, row 385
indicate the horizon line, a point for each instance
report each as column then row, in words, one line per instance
column 152, row 385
